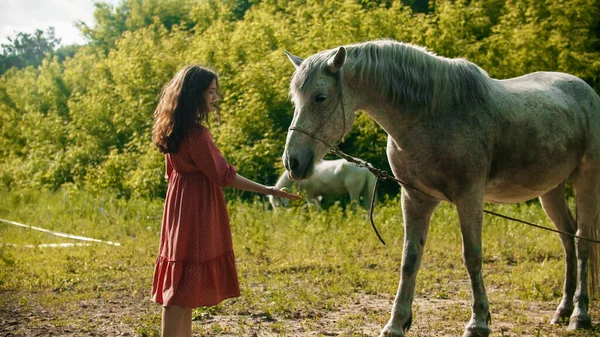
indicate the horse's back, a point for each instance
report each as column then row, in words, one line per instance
column 334, row 177
column 546, row 125
column 554, row 102
column 556, row 88
column 329, row 178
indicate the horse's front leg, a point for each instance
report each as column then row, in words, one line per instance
column 417, row 209
column 470, row 214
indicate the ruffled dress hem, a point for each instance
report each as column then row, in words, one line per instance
column 191, row 285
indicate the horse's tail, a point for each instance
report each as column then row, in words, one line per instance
column 595, row 260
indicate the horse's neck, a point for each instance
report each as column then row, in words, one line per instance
column 392, row 119
column 420, row 85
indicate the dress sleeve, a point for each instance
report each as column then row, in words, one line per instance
column 209, row 159
column 168, row 168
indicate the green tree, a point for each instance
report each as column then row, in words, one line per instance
column 84, row 116
column 27, row 49
column 131, row 15
column 545, row 35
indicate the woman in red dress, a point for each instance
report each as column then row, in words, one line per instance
column 195, row 265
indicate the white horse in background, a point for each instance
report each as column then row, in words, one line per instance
column 331, row 178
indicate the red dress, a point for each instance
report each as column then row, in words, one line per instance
column 195, row 265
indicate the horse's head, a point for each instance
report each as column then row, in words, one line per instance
column 322, row 117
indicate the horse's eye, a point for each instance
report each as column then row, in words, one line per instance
column 320, row 98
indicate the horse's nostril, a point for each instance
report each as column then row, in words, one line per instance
column 293, row 164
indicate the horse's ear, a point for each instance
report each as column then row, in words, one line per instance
column 296, row 61
column 336, row 62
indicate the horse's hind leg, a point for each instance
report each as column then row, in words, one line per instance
column 587, row 187
column 556, row 208
column 368, row 190
column 417, row 210
column 312, row 199
column 354, row 188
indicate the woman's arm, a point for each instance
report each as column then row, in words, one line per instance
column 246, row 184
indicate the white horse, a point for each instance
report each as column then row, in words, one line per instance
column 330, row 178
column 457, row 135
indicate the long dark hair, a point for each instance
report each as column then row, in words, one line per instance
column 182, row 106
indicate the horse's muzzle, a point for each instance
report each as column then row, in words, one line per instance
column 300, row 165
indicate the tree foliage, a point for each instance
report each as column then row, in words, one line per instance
column 29, row 49
column 85, row 120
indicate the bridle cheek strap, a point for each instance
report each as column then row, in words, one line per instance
column 311, row 135
column 314, row 136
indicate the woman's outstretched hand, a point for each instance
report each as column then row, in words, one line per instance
column 283, row 193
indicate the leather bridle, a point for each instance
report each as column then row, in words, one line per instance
column 314, row 136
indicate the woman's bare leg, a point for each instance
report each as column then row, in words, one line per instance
column 185, row 329
column 173, row 324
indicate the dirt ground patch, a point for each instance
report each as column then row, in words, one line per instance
column 129, row 316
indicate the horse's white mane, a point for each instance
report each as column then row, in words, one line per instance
column 407, row 75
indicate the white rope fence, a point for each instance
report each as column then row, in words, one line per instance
column 64, row 235
column 46, row 245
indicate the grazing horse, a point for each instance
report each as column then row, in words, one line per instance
column 457, row 135
column 332, row 177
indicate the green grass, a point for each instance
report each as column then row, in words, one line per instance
column 293, row 263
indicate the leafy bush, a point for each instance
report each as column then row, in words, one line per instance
column 86, row 120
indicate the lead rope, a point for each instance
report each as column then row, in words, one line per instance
column 379, row 175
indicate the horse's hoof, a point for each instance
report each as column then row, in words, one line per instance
column 474, row 331
column 389, row 331
column 478, row 330
column 560, row 319
column 581, row 322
